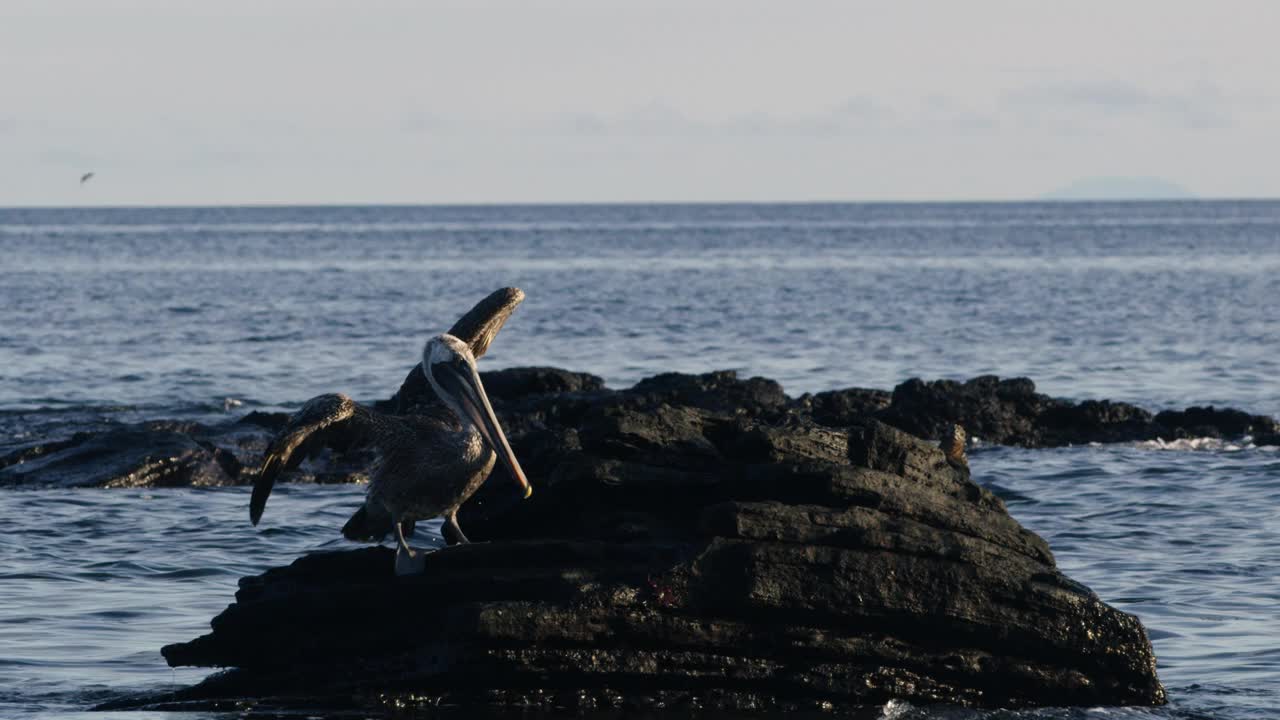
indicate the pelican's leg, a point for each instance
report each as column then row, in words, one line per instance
column 407, row 561
column 452, row 531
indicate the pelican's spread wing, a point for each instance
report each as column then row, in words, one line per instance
column 316, row 414
column 477, row 329
column 480, row 326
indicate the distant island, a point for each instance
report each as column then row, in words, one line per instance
column 1121, row 188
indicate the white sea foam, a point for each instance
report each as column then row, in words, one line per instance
column 1200, row 443
column 895, row 710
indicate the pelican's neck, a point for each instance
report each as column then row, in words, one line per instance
column 469, row 439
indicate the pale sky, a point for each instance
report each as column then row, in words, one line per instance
column 223, row 101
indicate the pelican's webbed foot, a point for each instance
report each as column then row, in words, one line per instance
column 408, row 562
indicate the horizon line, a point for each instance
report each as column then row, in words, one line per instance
column 634, row 203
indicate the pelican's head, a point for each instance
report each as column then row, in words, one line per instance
column 451, row 369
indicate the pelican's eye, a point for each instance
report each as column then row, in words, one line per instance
column 456, row 366
column 454, row 377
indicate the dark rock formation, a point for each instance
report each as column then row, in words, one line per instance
column 1011, row 412
column 1215, row 422
column 680, row 554
column 521, row 382
column 158, row 454
column 530, row 399
column 836, row 408
column 1267, row 439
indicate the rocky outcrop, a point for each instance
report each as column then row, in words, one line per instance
column 154, row 454
column 1267, row 439
column 682, row 554
column 994, row 410
column 1011, row 412
column 1214, row 422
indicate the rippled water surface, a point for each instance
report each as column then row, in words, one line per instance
column 116, row 315
column 1155, row 303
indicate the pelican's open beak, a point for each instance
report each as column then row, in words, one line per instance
column 475, row 403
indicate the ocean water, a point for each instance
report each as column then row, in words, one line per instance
column 117, row 315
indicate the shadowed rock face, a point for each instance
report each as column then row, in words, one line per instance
column 681, row 551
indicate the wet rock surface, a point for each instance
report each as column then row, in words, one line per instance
column 1011, row 412
column 531, row 399
column 154, row 454
column 681, row 552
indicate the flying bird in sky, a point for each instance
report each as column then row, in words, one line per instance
column 85, row 177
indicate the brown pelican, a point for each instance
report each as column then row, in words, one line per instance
column 428, row 464
column 953, row 447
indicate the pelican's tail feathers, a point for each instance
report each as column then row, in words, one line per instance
column 367, row 526
column 361, row 528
